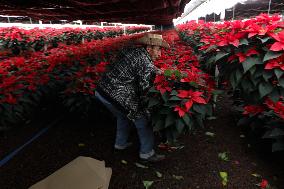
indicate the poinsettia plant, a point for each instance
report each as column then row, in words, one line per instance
column 248, row 54
column 23, row 42
column 180, row 99
column 25, row 81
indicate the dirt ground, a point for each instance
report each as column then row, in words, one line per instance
column 195, row 166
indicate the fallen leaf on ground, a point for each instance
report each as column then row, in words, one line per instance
column 159, row 174
column 224, row 156
column 124, row 162
column 141, row 166
column 211, row 118
column 178, row 177
column 81, row 145
column 224, row 177
column 256, row 175
column 147, row 184
column 210, row 134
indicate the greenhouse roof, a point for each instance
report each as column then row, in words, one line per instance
column 130, row 11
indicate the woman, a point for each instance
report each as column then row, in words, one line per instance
column 122, row 88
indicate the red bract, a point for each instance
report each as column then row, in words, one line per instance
column 275, row 63
column 253, row 109
column 192, row 96
column 242, row 56
column 181, row 111
column 279, row 45
column 162, row 84
column 263, row 184
column 277, row 107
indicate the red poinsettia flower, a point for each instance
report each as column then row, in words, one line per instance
column 162, row 84
column 181, row 111
column 192, row 96
column 242, row 57
column 275, row 63
column 277, row 107
column 279, row 45
column 253, row 109
column 264, row 184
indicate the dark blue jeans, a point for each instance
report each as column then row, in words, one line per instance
column 145, row 132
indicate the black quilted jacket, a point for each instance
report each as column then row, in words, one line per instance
column 127, row 80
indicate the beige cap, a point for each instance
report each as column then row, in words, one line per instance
column 153, row 39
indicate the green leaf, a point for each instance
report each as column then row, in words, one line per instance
column 220, row 55
column 194, row 84
column 278, row 146
column 256, row 175
column 211, row 118
column 274, row 133
column 153, row 102
column 174, row 98
column 233, row 81
column 250, row 62
column 252, row 70
column 153, row 90
column 159, row 125
column 168, row 73
column 210, row 48
column 223, row 156
column 274, row 96
column 271, row 55
column 217, row 92
column 147, row 184
column 170, row 120
column 238, row 75
column 244, row 42
column 210, row 134
column 264, row 89
column 141, row 166
column 178, row 177
column 186, row 119
column 124, row 162
column 267, row 75
column 281, row 82
column 158, row 174
column 199, row 108
column 264, row 40
column 224, row 177
column 179, row 125
column 278, row 73
column 81, row 145
column 165, row 97
column 174, row 92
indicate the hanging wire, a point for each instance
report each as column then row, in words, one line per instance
column 268, row 12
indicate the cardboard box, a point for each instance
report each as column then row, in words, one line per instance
column 81, row 173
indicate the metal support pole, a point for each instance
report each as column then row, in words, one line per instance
column 124, row 30
column 268, row 12
column 214, row 17
column 8, row 19
column 233, row 18
column 31, row 21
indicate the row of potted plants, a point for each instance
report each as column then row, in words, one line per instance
column 248, row 56
column 66, row 70
column 15, row 41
